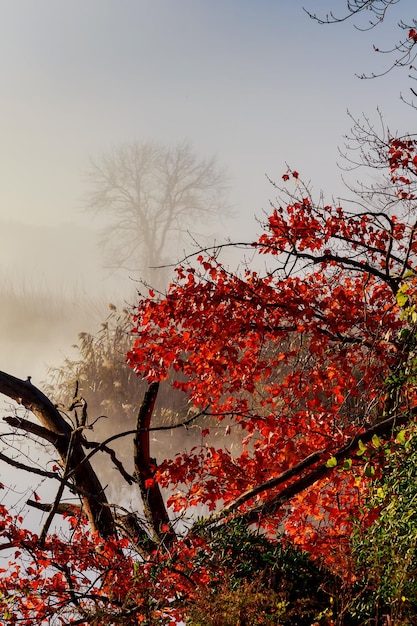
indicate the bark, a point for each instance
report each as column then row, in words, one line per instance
column 145, row 467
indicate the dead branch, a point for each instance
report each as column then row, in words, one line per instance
column 83, row 475
column 33, row 429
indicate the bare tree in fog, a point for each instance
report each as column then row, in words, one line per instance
column 153, row 195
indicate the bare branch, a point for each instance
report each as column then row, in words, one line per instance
column 378, row 8
column 34, row 429
column 59, row 493
column 83, row 475
column 63, row 508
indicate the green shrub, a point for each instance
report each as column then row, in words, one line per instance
column 258, row 581
column 386, row 550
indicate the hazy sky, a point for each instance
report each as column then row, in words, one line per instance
column 255, row 82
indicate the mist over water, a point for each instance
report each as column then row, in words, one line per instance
column 79, row 78
column 53, row 285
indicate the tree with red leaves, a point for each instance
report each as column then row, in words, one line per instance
column 311, row 360
column 306, row 357
column 288, row 356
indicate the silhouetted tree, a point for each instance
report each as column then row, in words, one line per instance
column 153, row 194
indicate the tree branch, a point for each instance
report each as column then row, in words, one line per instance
column 270, row 507
column 63, row 508
column 34, row 429
column 145, row 467
column 58, row 496
column 83, row 475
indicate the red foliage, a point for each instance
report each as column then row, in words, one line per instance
column 288, row 355
column 298, row 359
column 412, row 34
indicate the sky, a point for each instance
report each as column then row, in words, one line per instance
column 256, row 83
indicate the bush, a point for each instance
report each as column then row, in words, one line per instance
column 258, row 581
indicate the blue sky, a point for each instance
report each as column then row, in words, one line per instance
column 255, row 82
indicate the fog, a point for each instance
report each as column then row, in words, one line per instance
column 52, row 286
column 257, row 85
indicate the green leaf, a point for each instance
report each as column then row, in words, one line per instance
column 332, row 462
column 369, row 471
column 380, row 493
column 361, row 448
column 402, row 299
column 376, row 441
column 404, row 334
column 400, row 438
column 347, row 464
